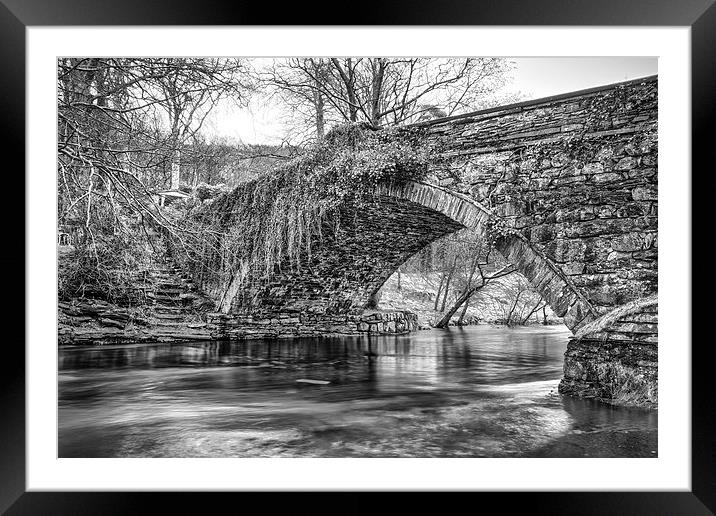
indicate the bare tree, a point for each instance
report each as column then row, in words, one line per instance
column 119, row 123
column 541, row 304
column 383, row 91
column 513, row 300
column 470, row 290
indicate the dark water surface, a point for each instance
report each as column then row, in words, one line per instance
column 476, row 392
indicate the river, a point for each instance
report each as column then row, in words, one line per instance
column 479, row 391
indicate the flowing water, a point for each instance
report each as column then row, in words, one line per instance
column 479, row 391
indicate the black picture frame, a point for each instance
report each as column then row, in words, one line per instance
column 17, row 15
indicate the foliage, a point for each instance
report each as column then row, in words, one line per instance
column 272, row 221
column 224, row 160
column 205, row 191
column 109, row 270
column 496, row 229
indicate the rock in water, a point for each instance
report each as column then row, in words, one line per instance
column 317, row 382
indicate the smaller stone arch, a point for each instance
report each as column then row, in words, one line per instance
column 563, row 297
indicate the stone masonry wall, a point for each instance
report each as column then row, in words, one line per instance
column 287, row 325
column 624, row 372
column 577, row 176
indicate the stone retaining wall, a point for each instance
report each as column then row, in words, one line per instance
column 289, row 325
column 388, row 322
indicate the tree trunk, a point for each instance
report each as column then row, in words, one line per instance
column 350, row 85
column 440, row 289
column 348, row 78
column 461, row 320
column 443, row 323
column 378, row 69
column 320, row 115
column 399, row 288
column 447, row 285
column 512, row 310
column 468, row 286
column 176, row 156
column 535, row 309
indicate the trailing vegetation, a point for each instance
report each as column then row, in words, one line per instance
column 272, row 221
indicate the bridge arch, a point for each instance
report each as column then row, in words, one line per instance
column 371, row 240
column 544, row 275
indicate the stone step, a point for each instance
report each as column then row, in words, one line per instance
column 171, row 324
column 166, row 296
column 168, row 302
column 167, row 309
column 177, row 316
column 169, row 291
column 167, row 281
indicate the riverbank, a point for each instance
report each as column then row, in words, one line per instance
column 97, row 323
column 167, row 307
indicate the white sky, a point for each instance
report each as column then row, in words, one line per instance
column 534, row 77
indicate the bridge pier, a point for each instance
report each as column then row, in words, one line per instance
column 621, row 372
column 615, row 358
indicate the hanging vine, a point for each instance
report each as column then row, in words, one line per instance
column 272, row 222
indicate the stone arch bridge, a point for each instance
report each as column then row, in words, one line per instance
column 574, row 179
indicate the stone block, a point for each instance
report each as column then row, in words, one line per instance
column 609, row 177
column 627, row 163
column 644, row 193
column 605, row 154
column 629, row 242
column 593, row 168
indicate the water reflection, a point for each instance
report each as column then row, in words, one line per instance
column 473, row 392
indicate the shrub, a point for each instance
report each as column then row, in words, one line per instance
column 106, row 268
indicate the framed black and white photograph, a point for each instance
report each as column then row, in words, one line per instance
column 406, row 257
